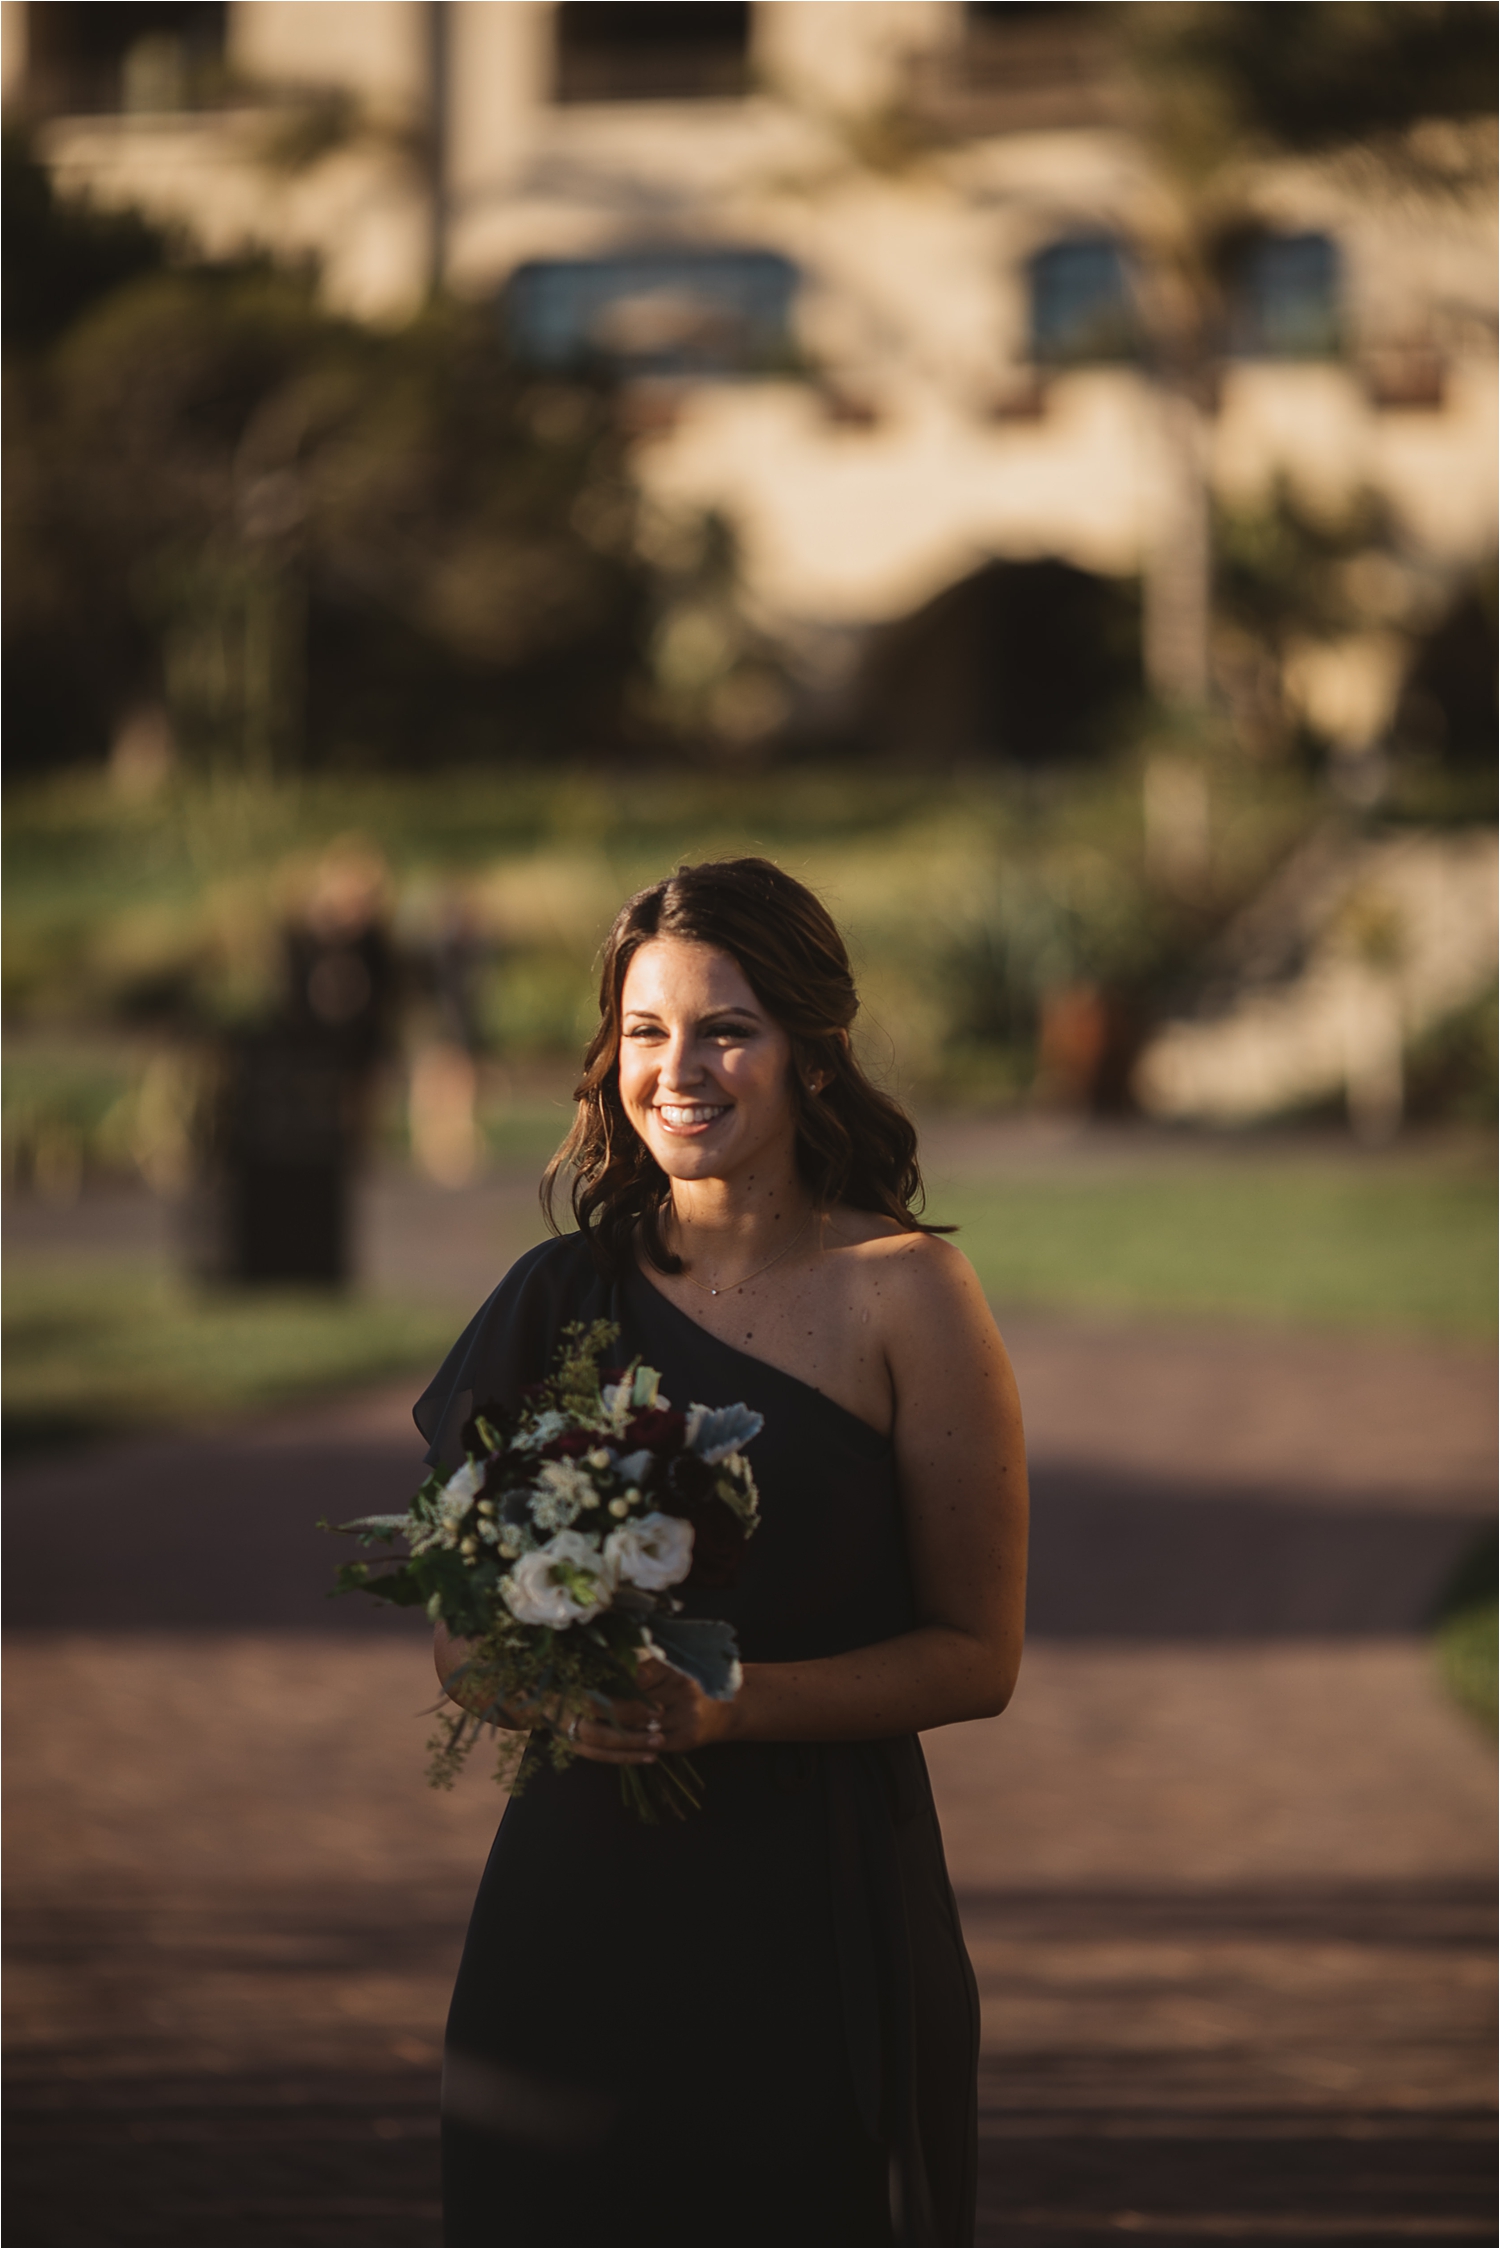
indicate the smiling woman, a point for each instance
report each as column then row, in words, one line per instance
column 745, row 1202
column 767, row 957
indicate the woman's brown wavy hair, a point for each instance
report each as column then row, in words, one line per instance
column 854, row 1144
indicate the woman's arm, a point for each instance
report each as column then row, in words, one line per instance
column 961, row 1458
column 962, row 1463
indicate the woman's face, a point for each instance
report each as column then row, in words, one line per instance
column 705, row 1072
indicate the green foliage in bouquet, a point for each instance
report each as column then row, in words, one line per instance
column 552, row 1552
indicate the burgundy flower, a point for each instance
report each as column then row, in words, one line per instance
column 718, row 1541
column 689, row 1479
column 657, row 1428
column 569, row 1446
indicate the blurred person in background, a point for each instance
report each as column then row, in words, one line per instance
column 296, row 1092
column 341, row 976
column 758, row 2024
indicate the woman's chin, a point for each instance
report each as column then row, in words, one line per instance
column 691, row 1159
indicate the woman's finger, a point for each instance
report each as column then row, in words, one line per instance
column 603, row 1747
column 631, row 1717
column 605, row 1732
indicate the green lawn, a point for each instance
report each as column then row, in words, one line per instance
column 1402, row 1244
column 1327, row 1244
column 98, row 1351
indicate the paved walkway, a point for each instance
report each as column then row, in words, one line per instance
column 1230, row 1909
column 1226, row 1865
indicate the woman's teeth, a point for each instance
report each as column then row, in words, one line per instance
column 671, row 1114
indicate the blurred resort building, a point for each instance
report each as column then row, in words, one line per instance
column 896, row 290
column 879, row 277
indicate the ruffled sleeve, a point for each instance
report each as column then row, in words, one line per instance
column 510, row 1342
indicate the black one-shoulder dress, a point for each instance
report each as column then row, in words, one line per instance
column 758, row 2024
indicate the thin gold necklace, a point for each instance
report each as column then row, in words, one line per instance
column 745, row 1278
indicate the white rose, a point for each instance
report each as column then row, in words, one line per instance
column 656, row 1550
column 564, row 1582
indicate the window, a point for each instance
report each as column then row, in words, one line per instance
column 1080, row 303
column 1283, row 297
column 997, row 19
column 650, row 50
column 1030, row 65
column 140, row 55
column 655, row 312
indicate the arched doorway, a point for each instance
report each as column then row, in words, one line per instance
column 1026, row 663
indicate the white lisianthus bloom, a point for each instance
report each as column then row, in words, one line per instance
column 655, row 1551
column 633, row 1467
column 564, row 1582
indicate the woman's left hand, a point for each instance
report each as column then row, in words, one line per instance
column 670, row 1716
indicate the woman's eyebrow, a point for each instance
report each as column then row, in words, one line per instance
column 733, row 1013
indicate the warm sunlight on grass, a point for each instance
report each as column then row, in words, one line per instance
column 1322, row 1244
column 94, row 1352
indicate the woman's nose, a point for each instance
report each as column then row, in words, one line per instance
column 680, row 1068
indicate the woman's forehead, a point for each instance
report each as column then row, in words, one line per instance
column 682, row 974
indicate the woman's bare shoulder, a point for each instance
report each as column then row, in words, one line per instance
column 910, row 1268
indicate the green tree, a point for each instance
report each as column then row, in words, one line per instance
column 309, row 539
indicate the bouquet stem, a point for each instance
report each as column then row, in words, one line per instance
column 673, row 1784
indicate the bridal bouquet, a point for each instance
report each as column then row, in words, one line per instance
column 554, row 1550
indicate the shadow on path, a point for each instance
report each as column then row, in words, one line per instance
column 1146, row 2120
column 239, row 2047
column 1184, row 2104
column 219, row 1529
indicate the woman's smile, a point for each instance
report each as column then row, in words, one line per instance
column 691, row 1116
